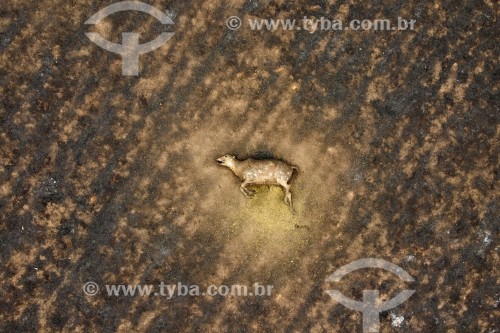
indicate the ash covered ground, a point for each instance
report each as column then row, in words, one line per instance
column 112, row 179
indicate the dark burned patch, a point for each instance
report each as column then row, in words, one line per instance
column 48, row 191
column 263, row 155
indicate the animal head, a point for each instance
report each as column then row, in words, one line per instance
column 226, row 160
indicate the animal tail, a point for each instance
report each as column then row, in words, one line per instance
column 295, row 171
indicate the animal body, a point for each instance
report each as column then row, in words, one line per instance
column 261, row 172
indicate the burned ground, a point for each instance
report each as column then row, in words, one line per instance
column 113, row 179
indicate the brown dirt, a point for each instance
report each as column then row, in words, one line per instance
column 112, row 179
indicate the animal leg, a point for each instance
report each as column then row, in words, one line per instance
column 243, row 188
column 251, row 192
column 288, row 197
